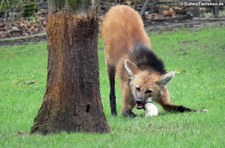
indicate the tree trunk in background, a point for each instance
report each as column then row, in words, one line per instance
column 215, row 8
column 196, row 11
column 72, row 100
column 145, row 6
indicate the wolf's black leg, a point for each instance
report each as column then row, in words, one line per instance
column 112, row 96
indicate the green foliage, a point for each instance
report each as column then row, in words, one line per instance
column 5, row 5
column 84, row 4
column 196, row 56
column 28, row 7
column 73, row 4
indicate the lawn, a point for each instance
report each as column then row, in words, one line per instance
column 198, row 57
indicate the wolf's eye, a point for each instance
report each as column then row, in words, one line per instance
column 138, row 89
column 148, row 91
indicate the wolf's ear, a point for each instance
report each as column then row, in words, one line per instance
column 131, row 68
column 166, row 78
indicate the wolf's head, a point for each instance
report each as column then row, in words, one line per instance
column 146, row 85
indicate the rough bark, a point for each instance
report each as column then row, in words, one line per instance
column 72, row 100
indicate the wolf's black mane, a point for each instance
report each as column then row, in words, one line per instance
column 143, row 57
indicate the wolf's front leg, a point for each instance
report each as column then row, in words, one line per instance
column 164, row 101
column 128, row 102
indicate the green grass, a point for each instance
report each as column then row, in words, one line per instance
column 198, row 57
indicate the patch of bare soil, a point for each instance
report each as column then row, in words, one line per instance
column 24, row 31
column 170, row 24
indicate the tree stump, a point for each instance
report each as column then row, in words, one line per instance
column 72, row 100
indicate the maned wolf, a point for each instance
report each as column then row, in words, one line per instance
column 142, row 74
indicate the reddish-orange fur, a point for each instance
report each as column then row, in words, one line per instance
column 121, row 30
column 122, row 27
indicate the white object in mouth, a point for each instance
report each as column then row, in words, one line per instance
column 151, row 110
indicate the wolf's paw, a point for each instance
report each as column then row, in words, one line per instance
column 129, row 114
column 202, row 110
